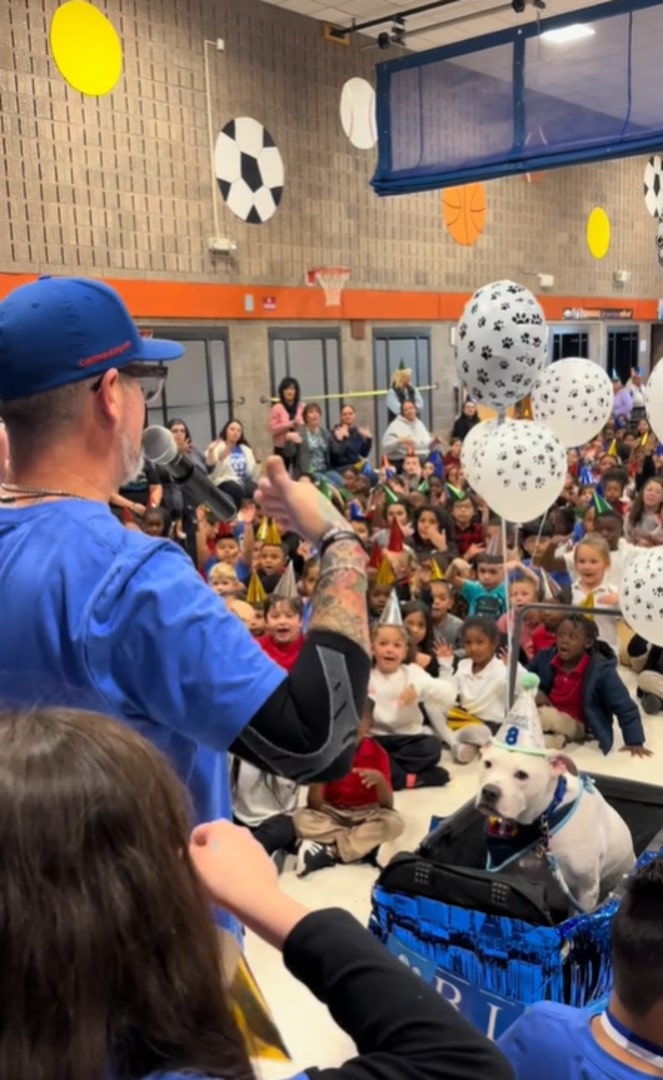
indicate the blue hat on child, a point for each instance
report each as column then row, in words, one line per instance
column 56, row 331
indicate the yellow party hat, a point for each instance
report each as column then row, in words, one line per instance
column 385, row 575
column 435, row 572
column 272, row 536
column 255, row 594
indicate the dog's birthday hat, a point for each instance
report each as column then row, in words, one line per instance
column 391, row 616
column 286, row 586
column 522, row 729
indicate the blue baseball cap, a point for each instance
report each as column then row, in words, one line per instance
column 57, row 331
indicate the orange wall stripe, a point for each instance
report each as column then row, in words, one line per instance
column 191, row 302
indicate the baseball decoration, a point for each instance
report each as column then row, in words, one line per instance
column 654, row 401
column 519, row 468
column 653, row 186
column 357, row 109
column 641, row 594
column 573, row 399
column 249, row 170
column 500, row 344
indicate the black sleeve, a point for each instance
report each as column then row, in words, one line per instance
column 307, row 728
column 403, row 1029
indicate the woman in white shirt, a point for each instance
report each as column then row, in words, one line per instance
column 232, row 459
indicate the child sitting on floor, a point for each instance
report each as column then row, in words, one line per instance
column 347, row 820
column 580, row 691
column 481, row 678
column 398, row 689
column 265, row 805
column 283, row 637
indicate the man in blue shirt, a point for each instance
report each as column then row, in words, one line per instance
column 624, row 1041
column 99, row 617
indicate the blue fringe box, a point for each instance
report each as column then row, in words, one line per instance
column 492, row 967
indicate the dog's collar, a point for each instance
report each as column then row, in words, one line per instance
column 547, row 819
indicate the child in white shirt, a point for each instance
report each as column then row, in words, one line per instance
column 265, row 805
column 481, row 678
column 398, row 690
column 592, row 585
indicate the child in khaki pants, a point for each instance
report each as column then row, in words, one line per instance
column 347, row 819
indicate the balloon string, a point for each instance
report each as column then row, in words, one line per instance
column 509, row 628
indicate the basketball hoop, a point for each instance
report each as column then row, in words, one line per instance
column 332, row 280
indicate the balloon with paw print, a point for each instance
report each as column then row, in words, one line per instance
column 501, row 344
column 519, row 468
column 654, row 400
column 641, row 594
column 573, row 399
column 471, row 447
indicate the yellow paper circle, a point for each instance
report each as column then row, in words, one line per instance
column 85, row 47
column 598, row 233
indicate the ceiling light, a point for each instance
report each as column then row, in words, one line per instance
column 568, row 33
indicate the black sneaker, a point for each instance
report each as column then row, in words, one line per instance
column 314, row 856
column 435, row 777
column 651, row 704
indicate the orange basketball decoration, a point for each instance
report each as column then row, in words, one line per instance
column 464, row 212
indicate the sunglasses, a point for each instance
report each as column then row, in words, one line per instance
column 152, row 378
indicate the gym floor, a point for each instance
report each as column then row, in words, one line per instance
column 311, row 1036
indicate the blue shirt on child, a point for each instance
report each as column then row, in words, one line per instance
column 480, row 601
column 554, row 1042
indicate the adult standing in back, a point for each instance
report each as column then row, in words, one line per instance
column 406, row 431
column 465, row 421
column 349, row 443
column 402, row 390
column 286, row 415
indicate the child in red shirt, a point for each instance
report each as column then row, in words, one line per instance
column 283, row 636
column 346, row 820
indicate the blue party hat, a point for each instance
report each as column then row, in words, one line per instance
column 585, row 476
column 435, row 459
column 356, row 513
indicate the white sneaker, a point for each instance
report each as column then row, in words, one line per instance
column 313, row 856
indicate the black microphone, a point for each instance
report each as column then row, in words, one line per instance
column 159, row 448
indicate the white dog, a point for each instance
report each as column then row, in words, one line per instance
column 561, row 815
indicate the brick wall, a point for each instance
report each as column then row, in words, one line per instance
column 121, row 186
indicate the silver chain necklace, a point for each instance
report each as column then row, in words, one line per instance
column 35, row 493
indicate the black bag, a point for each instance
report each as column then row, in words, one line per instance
column 466, row 887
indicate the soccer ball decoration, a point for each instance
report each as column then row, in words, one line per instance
column 641, row 594
column 249, row 170
column 518, row 467
column 653, row 186
column 573, row 399
column 500, row 344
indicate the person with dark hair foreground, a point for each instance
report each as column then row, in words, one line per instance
column 110, row 960
column 623, row 1041
column 99, row 617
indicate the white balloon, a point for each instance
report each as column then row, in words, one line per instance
column 519, row 468
column 641, row 594
column 471, row 442
column 500, row 344
column 573, row 399
column 654, row 400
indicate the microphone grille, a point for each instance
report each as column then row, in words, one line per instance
column 159, row 445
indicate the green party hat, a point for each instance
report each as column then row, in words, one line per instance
column 390, row 497
column 599, row 504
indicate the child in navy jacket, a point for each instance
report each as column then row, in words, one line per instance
column 580, row 690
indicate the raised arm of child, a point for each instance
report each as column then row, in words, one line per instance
column 248, row 544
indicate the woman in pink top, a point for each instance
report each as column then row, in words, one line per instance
column 286, row 415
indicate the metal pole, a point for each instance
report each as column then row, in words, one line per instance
column 349, row 394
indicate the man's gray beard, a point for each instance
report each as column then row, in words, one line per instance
column 133, row 461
